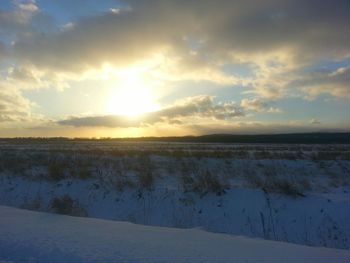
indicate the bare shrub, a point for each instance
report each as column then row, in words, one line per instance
column 83, row 172
column 241, row 154
column 62, row 205
column 14, row 163
column 326, row 155
column 305, row 184
column 187, row 182
column 56, row 171
column 65, row 205
column 275, row 185
column 206, row 182
column 123, row 182
column 263, row 154
column 145, row 179
column 255, row 181
column 145, row 172
column 287, row 188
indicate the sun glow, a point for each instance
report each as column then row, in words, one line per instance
column 133, row 96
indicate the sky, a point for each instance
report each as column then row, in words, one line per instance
column 126, row 68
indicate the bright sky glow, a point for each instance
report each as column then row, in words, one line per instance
column 133, row 96
column 94, row 68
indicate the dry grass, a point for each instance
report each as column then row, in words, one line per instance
column 65, row 205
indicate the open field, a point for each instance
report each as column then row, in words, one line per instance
column 292, row 193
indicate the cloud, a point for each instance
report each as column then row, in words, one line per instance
column 303, row 82
column 216, row 32
column 27, row 6
column 181, row 40
column 22, row 74
column 335, row 83
column 202, row 106
column 13, row 106
column 2, row 51
column 110, row 121
column 110, row 38
column 315, row 121
column 18, row 19
column 192, row 107
column 26, row 77
column 258, row 127
column 258, row 106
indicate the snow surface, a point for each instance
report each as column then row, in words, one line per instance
column 318, row 219
column 27, row 236
column 104, row 181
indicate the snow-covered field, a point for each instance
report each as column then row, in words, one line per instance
column 292, row 193
column 28, row 236
column 318, row 219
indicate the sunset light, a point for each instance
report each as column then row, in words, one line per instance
column 175, row 131
column 132, row 96
column 180, row 67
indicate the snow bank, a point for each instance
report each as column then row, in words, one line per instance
column 27, row 236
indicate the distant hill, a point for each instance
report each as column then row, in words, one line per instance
column 293, row 138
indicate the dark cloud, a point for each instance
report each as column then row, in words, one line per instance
column 102, row 121
column 336, row 82
column 307, row 28
column 109, row 38
column 267, row 128
column 22, row 74
column 303, row 81
column 19, row 18
column 199, row 106
column 2, row 51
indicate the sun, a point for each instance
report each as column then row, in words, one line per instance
column 133, row 96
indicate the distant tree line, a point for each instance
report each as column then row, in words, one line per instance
column 292, row 138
